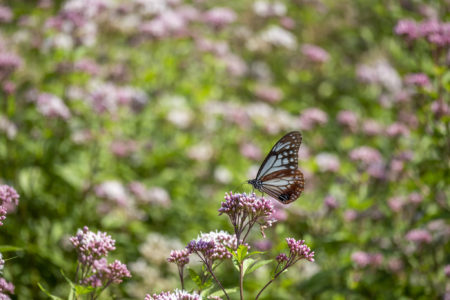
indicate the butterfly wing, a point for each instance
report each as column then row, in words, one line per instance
column 285, row 185
column 283, row 155
column 279, row 175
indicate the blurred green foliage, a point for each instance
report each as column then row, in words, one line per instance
column 187, row 138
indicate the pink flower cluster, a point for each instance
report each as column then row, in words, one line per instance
column 366, row 155
column 246, row 204
column 92, row 246
column 176, row 295
column 419, row 236
column 315, row 53
column 363, row 259
column 212, row 246
column 418, row 79
column 246, row 210
column 312, row 117
column 5, row 288
column 103, row 274
column 434, row 31
column 299, row 249
column 179, row 257
column 8, row 196
column 52, row 106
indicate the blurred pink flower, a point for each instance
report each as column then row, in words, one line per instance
column 112, row 190
column 268, row 93
column 372, row 127
column 168, row 23
column 52, row 106
column 311, row 117
column 251, row 151
column 315, row 53
column 380, row 72
column 350, row 215
column 330, row 202
column 279, row 37
column 327, row 162
column 266, row 9
column 9, row 87
column 361, row 259
column 287, row 23
column 395, row 265
column 8, row 128
column 415, row 198
column 123, row 148
column 219, row 16
column 348, row 119
column 419, row 236
column 397, row 129
column 440, row 108
column 235, row 65
column 396, row 203
column 6, row 14
column 219, row 48
column 407, row 27
column 377, row 170
column 279, row 213
column 9, row 62
column 263, row 245
column 88, row 66
column 418, row 79
column 366, row 155
column 447, row 270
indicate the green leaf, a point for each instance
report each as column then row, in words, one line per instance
column 258, row 265
column 247, row 263
column 72, row 285
column 241, row 253
column 53, row 297
column 8, row 248
column 195, row 277
column 220, row 293
column 82, row 290
column 256, row 252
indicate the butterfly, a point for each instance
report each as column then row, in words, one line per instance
column 279, row 175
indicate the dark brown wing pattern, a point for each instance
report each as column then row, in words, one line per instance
column 283, row 155
column 286, row 188
column 278, row 175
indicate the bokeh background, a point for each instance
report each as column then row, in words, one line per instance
column 134, row 117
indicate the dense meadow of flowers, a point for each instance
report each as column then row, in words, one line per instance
column 124, row 122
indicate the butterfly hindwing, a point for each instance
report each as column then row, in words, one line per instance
column 284, row 187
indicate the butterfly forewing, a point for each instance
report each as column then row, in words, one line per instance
column 278, row 175
column 284, row 155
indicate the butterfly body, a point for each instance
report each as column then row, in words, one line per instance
column 279, row 175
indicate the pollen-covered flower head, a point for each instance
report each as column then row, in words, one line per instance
column 92, row 246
